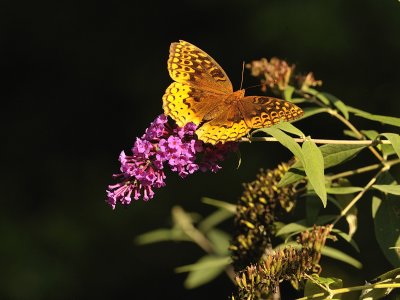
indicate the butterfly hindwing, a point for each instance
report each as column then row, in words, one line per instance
column 185, row 103
column 261, row 111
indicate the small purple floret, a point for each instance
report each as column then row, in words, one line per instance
column 161, row 146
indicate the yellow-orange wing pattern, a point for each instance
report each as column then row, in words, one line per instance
column 203, row 94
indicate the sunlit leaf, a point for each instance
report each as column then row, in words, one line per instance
column 288, row 92
column 317, row 94
column 379, row 118
column 301, row 225
column 310, row 111
column 214, row 219
column 290, row 128
column 333, row 155
column 338, row 154
column 298, row 100
column 206, row 269
column 395, row 140
column 314, row 168
column 343, row 190
column 341, row 256
column 220, row 241
column 388, row 188
column 292, row 175
column 338, row 104
column 350, row 133
column 285, row 140
column 161, row 235
column 220, row 204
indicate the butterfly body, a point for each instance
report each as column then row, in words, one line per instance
column 203, row 94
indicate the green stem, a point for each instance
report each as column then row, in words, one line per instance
column 356, row 131
column 361, row 170
column 361, row 193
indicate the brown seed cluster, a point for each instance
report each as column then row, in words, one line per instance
column 257, row 281
column 260, row 205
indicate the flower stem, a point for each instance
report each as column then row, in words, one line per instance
column 362, row 170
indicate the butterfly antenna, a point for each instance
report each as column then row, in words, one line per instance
column 241, row 82
column 253, row 86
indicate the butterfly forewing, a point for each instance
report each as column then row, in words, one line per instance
column 191, row 65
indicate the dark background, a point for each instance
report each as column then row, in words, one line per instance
column 82, row 79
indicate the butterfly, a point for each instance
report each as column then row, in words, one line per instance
column 203, row 94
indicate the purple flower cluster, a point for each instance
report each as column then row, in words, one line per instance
column 160, row 146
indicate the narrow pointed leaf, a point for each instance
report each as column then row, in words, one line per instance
column 221, row 204
column 333, row 155
column 314, row 168
column 343, row 190
column 388, row 188
column 290, row 128
column 205, row 270
column 310, row 111
column 285, row 140
column 338, row 104
column 380, row 118
column 288, row 92
column 161, row 235
column 214, row 219
column 341, row 256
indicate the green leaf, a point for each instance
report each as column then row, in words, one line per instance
column 314, row 168
column 338, row 154
column 291, row 176
column 301, row 225
column 379, row 118
column 350, row 134
column 204, row 271
column 338, row 104
column 333, row 155
column 341, row 256
column 290, row 128
column 371, row 134
column 385, row 212
column 285, row 140
column 317, row 94
column 214, row 219
column 220, row 204
column 291, row 228
column 313, row 287
column 288, row 92
column 388, row 188
column 298, row 100
column 343, row 190
column 310, row 111
column 161, row 235
column 395, row 140
column 220, row 241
